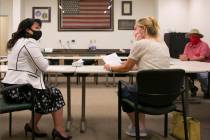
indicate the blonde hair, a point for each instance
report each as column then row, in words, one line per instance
column 151, row 25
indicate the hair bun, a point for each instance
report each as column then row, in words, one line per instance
column 151, row 25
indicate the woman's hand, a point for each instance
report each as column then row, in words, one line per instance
column 135, row 67
column 107, row 67
column 125, row 67
column 137, row 36
column 139, row 33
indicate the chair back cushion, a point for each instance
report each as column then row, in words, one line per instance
column 12, row 105
column 159, row 87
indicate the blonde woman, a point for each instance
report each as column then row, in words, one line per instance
column 148, row 52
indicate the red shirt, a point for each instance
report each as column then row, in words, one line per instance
column 200, row 49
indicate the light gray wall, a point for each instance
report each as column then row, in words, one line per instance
column 115, row 39
column 6, row 10
column 199, row 17
column 173, row 15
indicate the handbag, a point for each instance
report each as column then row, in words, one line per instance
column 177, row 129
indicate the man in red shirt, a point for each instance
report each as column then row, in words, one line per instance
column 197, row 50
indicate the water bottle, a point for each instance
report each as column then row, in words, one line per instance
column 94, row 44
column 73, row 44
column 68, row 45
column 90, row 46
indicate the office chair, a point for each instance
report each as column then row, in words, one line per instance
column 6, row 107
column 156, row 93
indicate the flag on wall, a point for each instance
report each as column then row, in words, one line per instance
column 85, row 14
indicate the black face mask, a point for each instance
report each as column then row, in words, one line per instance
column 36, row 34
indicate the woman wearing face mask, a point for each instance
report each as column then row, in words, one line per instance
column 26, row 64
column 197, row 50
column 148, row 52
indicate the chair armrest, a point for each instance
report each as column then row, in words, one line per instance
column 123, row 83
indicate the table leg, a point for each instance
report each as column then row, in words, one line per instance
column 208, row 84
column 56, row 79
column 107, row 80
column 83, row 119
column 114, row 83
column 96, row 78
column 69, row 118
column 186, row 95
column 131, row 79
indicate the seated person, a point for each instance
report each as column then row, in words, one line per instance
column 26, row 64
column 197, row 50
column 148, row 52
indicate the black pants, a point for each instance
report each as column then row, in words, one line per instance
column 127, row 92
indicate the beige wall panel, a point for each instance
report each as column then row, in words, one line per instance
column 3, row 34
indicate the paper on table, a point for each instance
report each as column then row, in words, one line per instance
column 112, row 59
column 78, row 63
column 173, row 61
column 48, row 49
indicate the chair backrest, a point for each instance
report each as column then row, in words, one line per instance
column 68, row 62
column 88, row 61
column 54, row 61
column 159, row 87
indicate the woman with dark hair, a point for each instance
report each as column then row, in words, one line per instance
column 26, row 64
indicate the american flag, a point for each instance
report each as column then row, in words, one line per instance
column 86, row 14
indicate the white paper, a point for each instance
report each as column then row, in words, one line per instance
column 173, row 61
column 48, row 50
column 112, row 59
column 78, row 63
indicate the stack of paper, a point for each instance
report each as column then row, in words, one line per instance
column 112, row 59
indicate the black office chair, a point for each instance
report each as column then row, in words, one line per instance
column 156, row 93
column 54, row 61
column 6, row 107
column 68, row 62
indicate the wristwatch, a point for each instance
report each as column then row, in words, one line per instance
column 188, row 59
